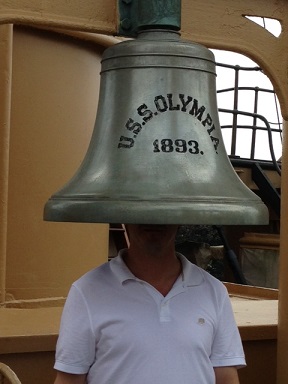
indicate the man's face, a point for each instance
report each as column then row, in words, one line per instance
column 151, row 237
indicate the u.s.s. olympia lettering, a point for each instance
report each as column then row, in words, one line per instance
column 165, row 103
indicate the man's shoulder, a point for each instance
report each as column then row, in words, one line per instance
column 207, row 279
column 95, row 276
column 197, row 274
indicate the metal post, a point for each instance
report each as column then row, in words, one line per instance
column 235, row 108
column 254, row 129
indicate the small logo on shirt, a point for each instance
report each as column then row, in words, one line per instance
column 201, row 321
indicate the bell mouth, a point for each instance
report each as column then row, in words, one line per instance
column 200, row 211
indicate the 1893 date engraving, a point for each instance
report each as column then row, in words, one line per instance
column 178, row 145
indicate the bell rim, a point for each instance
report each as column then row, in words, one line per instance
column 209, row 212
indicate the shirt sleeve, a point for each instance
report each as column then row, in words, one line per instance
column 227, row 349
column 75, row 350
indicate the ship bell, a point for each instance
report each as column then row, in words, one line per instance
column 157, row 154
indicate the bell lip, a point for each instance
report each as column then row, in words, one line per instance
column 210, row 212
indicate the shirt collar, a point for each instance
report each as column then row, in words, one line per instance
column 192, row 275
column 120, row 269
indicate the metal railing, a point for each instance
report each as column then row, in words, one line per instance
column 256, row 118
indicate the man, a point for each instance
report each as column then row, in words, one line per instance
column 148, row 316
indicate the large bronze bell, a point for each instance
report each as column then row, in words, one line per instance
column 157, row 154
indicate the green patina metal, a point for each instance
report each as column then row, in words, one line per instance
column 137, row 15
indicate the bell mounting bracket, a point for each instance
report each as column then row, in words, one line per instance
column 135, row 15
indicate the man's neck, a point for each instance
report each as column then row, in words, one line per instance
column 160, row 270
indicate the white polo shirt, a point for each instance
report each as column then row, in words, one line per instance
column 121, row 330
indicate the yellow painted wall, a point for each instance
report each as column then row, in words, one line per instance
column 55, row 82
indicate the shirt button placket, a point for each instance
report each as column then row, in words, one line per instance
column 165, row 311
